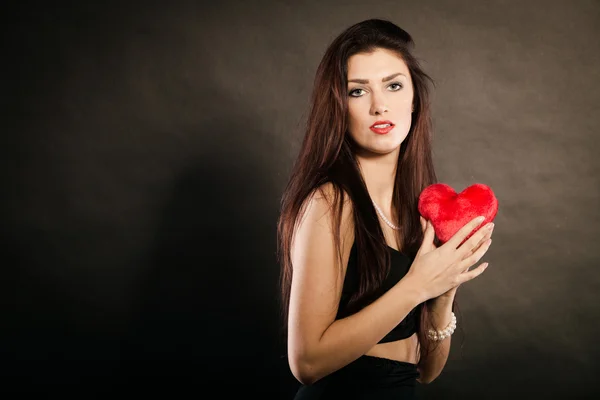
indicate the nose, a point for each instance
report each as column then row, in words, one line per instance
column 378, row 106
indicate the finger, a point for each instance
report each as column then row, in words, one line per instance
column 429, row 233
column 475, row 272
column 472, row 243
column 481, row 241
column 428, row 237
column 476, row 256
column 463, row 232
column 487, row 236
column 423, row 224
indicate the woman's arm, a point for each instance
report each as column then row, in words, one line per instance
column 431, row 367
column 317, row 343
column 347, row 339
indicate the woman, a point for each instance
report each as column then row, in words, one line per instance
column 367, row 296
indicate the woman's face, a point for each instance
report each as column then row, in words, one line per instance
column 380, row 92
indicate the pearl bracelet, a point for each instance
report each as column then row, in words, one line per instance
column 444, row 333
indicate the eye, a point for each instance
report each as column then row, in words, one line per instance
column 352, row 93
column 396, row 85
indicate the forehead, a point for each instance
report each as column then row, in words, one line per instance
column 378, row 64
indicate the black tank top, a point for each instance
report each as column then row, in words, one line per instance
column 400, row 265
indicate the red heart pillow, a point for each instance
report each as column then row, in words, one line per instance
column 449, row 212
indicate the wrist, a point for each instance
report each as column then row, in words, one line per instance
column 447, row 297
column 409, row 287
column 442, row 303
column 441, row 334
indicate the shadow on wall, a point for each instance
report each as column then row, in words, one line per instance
column 207, row 296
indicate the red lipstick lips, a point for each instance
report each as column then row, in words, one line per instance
column 382, row 127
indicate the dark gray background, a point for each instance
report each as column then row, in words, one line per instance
column 145, row 147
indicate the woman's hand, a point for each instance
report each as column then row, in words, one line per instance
column 449, row 295
column 438, row 271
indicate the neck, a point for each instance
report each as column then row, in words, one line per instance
column 379, row 173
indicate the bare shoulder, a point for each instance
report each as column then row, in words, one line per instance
column 318, row 213
column 317, row 277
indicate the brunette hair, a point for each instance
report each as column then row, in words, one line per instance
column 327, row 156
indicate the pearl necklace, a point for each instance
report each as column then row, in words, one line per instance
column 387, row 221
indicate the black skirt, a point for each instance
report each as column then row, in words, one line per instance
column 367, row 377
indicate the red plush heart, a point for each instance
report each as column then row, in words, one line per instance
column 449, row 212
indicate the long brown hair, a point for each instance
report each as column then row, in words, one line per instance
column 327, row 156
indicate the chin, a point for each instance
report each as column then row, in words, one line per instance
column 382, row 145
column 382, row 151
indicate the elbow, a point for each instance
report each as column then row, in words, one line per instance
column 425, row 378
column 302, row 370
column 304, row 377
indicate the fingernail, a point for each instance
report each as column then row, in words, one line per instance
column 480, row 219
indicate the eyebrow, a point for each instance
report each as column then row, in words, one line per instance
column 387, row 78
